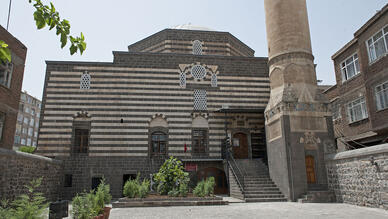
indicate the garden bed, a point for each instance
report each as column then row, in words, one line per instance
column 155, row 200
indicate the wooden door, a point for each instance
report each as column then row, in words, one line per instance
column 310, row 171
column 240, row 146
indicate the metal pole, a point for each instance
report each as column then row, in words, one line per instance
column 9, row 12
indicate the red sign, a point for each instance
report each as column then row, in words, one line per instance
column 191, row 167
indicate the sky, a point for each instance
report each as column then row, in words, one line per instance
column 113, row 25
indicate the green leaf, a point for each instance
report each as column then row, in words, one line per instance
column 82, row 37
column 73, row 49
column 5, row 54
column 39, row 19
column 63, row 40
column 52, row 7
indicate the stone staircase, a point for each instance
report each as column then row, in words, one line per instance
column 258, row 186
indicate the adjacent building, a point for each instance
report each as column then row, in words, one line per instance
column 11, row 78
column 27, row 126
column 179, row 93
column 360, row 97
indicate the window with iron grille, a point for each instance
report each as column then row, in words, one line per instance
column 199, row 138
column 85, row 81
column 158, row 143
column 197, row 47
column 200, row 101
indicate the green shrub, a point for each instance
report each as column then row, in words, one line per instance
column 27, row 149
column 88, row 205
column 199, row 190
column 133, row 188
column 30, row 205
column 183, row 189
column 144, row 188
column 170, row 176
column 84, row 206
column 102, row 196
column 205, row 187
column 173, row 193
column 209, row 186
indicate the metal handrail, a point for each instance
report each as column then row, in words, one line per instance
column 237, row 172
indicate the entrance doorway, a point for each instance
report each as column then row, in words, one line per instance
column 258, row 145
column 221, row 186
column 310, row 170
column 240, row 146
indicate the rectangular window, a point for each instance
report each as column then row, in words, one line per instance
column 34, row 143
column 28, row 141
column 32, row 122
column 81, row 140
column 6, row 74
column 24, row 130
column 68, row 180
column 20, row 118
column 2, row 123
column 25, row 120
column 18, row 129
column 30, row 131
column 378, row 44
column 382, row 96
column 38, row 115
column 17, row 139
column 35, row 134
column 199, row 140
column 37, row 124
column 350, row 67
column 23, row 141
column 357, row 110
column 27, row 109
column 32, row 112
column 159, row 142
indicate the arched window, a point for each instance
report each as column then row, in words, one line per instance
column 85, row 81
column 197, row 47
column 158, row 143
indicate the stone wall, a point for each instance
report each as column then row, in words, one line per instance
column 18, row 169
column 357, row 180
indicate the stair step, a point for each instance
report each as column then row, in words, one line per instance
column 263, row 192
column 265, row 200
column 263, row 196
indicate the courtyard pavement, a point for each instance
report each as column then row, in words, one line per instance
column 253, row 210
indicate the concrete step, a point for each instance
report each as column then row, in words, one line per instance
column 274, row 192
column 263, row 196
column 265, row 200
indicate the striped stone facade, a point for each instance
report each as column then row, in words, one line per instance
column 141, row 91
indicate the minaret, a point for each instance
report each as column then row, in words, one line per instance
column 298, row 120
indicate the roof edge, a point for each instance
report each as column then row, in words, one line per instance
column 371, row 21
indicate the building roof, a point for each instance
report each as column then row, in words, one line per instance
column 190, row 26
column 362, row 29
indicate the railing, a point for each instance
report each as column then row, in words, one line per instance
column 236, row 172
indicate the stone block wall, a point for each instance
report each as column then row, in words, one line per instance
column 357, row 179
column 18, row 169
